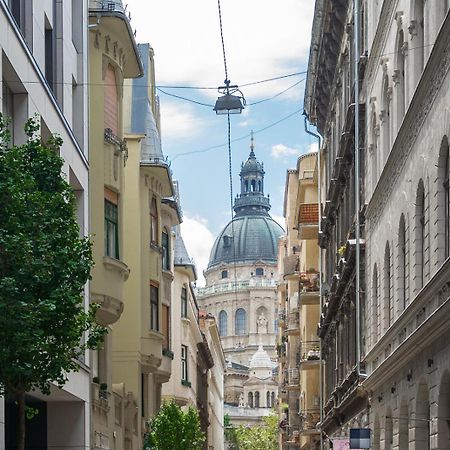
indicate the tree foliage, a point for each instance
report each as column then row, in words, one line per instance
column 258, row 437
column 173, row 428
column 44, row 266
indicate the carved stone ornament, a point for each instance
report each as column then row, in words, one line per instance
column 384, row 65
column 382, row 115
column 389, row 92
column 396, row 77
column 377, row 129
column 413, row 28
column 399, row 18
column 404, row 48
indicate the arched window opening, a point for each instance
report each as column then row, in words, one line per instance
column 223, row 323
column 422, row 418
column 268, row 399
column 250, row 399
column 420, row 236
column 400, row 78
column 386, row 118
column 444, row 411
column 224, row 274
column 259, row 272
column 246, row 185
column 402, row 271
column 375, row 311
column 253, row 185
column 153, row 221
column 165, row 244
column 374, row 149
column 240, row 322
column 444, row 168
column 403, row 426
column 257, row 399
column 388, row 313
column 259, row 186
column 418, row 40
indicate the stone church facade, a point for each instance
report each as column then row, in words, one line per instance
column 241, row 293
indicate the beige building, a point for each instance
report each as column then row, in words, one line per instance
column 113, row 57
column 43, row 70
column 298, row 295
column 240, row 291
column 397, row 385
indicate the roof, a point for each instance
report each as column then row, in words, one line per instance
column 247, row 238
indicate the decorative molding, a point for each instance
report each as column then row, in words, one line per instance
column 404, row 48
column 396, row 77
column 436, row 69
column 399, row 19
column 412, row 29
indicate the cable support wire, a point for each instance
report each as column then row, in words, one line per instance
column 223, row 42
column 215, row 147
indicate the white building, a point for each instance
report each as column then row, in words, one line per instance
column 43, row 69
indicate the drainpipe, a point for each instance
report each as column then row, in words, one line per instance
column 356, row 31
column 319, row 201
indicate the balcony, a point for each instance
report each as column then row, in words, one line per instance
column 308, row 356
column 293, row 322
column 308, row 221
column 290, row 267
column 236, row 286
column 309, row 288
column 293, row 379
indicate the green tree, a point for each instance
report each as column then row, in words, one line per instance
column 258, row 437
column 44, row 266
column 172, row 428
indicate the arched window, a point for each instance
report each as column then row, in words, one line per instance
column 418, row 37
column 223, row 323
column 268, row 399
column 386, row 121
column 253, row 185
column 165, row 244
column 388, row 313
column 400, row 78
column 444, row 197
column 259, row 272
column 153, row 221
column 240, row 322
column 246, row 185
column 224, row 274
column 374, row 149
column 375, row 311
column 250, row 399
column 257, row 399
column 259, row 186
column 420, row 236
column 402, row 270
column 273, row 399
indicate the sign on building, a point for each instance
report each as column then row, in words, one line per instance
column 359, row 438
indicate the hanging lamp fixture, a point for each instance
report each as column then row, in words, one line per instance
column 229, row 102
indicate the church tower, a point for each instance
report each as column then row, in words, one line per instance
column 241, row 279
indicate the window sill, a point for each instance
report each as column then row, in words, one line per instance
column 116, row 265
column 186, row 383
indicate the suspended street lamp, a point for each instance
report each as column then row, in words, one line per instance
column 229, row 103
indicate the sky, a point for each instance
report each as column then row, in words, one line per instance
column 263, row 39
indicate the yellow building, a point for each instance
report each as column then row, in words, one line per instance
column 113, row 57
column 141, row 341
column 298, row 295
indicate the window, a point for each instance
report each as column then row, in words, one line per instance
column 402, row 263
column 400, row 79
column 267, row 399
column 250, row 399
column 387, row 288
column 184, row 363
column 49, row 55
column 224, row 274
column 154, row 307
column 111, row 228
column 165, row 251
column 257, row 399
column 418, row 40
column 111, row 102
column 420, row 236
column 165, row 326
column 153, row 222
column 444, row 168
column 223, row 323
column 240, row 325
column 375, row 312
column 259, row 272
column 272, row 399
column 184, row 303
column 386, row 117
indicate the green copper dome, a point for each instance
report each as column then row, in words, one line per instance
column 252, row 235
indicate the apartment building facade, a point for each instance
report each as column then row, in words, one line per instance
column 397, row 384
column 43, row 67
column 298, row 296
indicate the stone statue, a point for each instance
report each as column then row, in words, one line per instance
column 241, row 400
column 261, row 323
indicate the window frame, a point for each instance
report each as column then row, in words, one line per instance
column 110, row 220
column 184, row 363
column 154, row 229
column 240, row 331
column 165, row 247
column 184, row 302
column 154, row 307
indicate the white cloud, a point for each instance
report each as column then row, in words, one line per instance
column 263, row 39
column 199, row 241
column 180, row 121
column 282, row 151
column 313, row 147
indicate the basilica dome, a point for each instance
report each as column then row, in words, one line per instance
column 248, row 238
column 261, row 360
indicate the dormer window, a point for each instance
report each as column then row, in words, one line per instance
column 259, row 272
column 224, row 274
column 227, row 241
